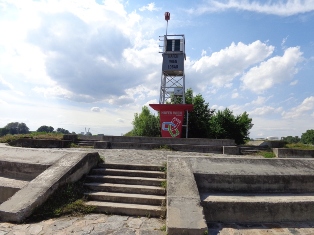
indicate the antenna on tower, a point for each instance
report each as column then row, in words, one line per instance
column 167, row 17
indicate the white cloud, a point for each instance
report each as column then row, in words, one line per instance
column 81, row 51
column 95, row 109
column 259, row 101
column 293, row 83
column 235, row 95
column 149, row 7
column 261, row 111
column 59, row 92
column 275, row 70
column 272, row 7
column 306, row 106
column 3, row 102
column 4, row 85
column 120, row 120
column 222, row 67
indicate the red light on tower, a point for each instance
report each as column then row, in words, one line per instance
column 167, row 16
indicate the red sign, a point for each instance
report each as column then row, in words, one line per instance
column 171, row 118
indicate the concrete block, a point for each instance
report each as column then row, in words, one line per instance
column 102, row 145
column 231, row 150
column 184, row 212
column 293, row 153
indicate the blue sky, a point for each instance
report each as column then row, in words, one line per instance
column 93, row 64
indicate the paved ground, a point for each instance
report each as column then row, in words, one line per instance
column 124, row 225
column 262, row 229
column 89, row 224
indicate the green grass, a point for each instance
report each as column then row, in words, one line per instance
column 300, row 146
column 66, row 200
column 163, row 184
column 164, row 147
column 267, row 154
column 32, row 135
column 164, row 167
column 163, row 228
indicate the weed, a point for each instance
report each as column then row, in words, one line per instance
column 300, row 146
column 267, row 154
column 163, row 228
column 33, row 135
column 164, row 147
column 164, row 167
column 66, row 200
column 163, row 184
column 73, row 145
column 206, row 232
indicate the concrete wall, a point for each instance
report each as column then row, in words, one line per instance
column 293, row 153
column 40, row 143
column 162, row 141
column 21, row 170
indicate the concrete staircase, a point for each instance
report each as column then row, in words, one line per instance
column 260, row 198
column 134, row 190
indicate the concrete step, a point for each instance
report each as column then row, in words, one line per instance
column 124, row 180
column 130, row 173
column 85, row 143
column 130, row 167
column 128, row 209
column 126, row 188
column 258, row 183
column 257, row 208
column 127, row 198
column 9, row 186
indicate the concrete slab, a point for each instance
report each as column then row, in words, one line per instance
column 258, row 208
column 184, row 212
column 30, row 155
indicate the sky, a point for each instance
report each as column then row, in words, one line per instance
column 91, row 65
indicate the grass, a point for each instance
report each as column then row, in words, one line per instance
column 164, row 167
column 300, row 146
column 66, row 200
column 33, row 135
column 267, row 154
column 163, row 228
column 163, row 184
column 164, row 147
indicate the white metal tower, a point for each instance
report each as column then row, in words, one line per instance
column 172, row 75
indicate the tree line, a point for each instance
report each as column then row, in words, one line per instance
column 203, row 122
column 306, row 138
column 14, row 128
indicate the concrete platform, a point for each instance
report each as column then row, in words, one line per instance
column 258, row 208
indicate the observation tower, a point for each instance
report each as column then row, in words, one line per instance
column 172, row 87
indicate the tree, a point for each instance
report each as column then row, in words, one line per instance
column 145, row 124
column 308, row 137
column 3, row 131
column 17, row 128
column 291, row 139
column 45, row 128
column 63, row 131
column 198, row 118
column 225, row 125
